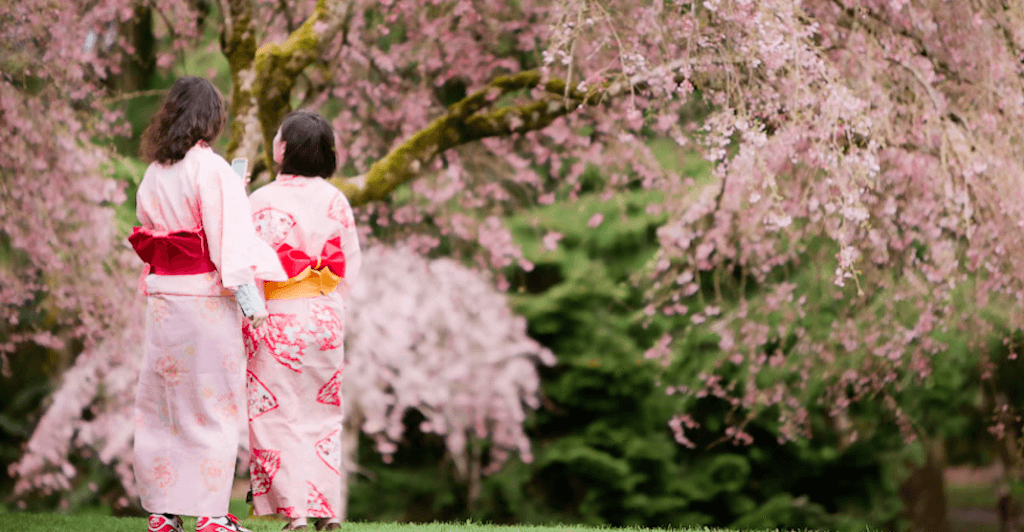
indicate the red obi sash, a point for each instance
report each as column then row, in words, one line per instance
column 308, row 276
column 296, row 260
column 179, row 253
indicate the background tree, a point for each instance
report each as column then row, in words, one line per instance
column 435, row 337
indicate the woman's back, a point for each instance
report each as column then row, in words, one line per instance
column 202, row 192
column 304, row 213
column 168, row 198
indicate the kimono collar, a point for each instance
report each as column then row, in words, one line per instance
column 289, row 177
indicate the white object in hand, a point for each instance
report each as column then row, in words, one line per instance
column 249, row 300
column 239, row 166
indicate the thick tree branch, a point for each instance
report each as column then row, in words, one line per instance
column 467, row 121
column 238, row 42
column 263, row 78
column 278, row 66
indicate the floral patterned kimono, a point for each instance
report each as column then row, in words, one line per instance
column 296, row 357
column 196, row 237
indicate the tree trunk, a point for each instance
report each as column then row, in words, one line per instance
column 924, row 493
column 474, row 481
column 137, row 68
column 1009, row 460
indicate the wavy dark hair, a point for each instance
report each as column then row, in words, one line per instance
column 193, row 110
column 309, row 145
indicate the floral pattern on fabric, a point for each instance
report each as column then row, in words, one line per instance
column 329, row 450
column 288, row 511
column 273, row 225
column 213, row 475
column 261, row 399
column 325, row 327
column 227, row 405
column 212, row 309
column 264, row 466
column 284, row 339
column 163, row 474
column 171, row 368
column 330, row 393
column 159, row 311
column 341, row 212
column 317, row 504
column 232, row 361
column 252, row 338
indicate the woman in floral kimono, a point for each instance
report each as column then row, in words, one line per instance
column 202, row 257
column 296, row 358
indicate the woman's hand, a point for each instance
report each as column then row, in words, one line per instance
column 252, row 304
column 257, row 319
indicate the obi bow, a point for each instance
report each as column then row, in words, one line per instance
column 178, row 253
column 308, row 276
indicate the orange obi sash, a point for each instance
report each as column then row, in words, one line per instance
column 178, row 253
column 308, row 276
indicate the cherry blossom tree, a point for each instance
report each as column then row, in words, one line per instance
column 889, row 131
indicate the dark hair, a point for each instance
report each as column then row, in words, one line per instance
column 309, row 145
column 193, row 110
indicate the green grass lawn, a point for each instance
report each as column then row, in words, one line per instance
column 94, row 523
column 29, row 522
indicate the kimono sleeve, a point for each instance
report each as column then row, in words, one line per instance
column 145, row 221
column 240, row 256
column 341, row 214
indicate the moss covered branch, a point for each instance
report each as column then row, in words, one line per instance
column 468, row 120
column 238, row 43
column 263, row 78
column 472, row 119
column 279, row 65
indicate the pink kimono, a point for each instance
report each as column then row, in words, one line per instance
column 296, row 358
column 191, row 390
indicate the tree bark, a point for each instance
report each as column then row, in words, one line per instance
column 137, row 68
column 474, row 482
column 263, row 79
column 239, row 46
column 924, row 493
column 1009, row 460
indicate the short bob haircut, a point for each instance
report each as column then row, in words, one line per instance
column 193, row 110
column 309, row 145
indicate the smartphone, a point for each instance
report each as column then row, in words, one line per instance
column 239, row 165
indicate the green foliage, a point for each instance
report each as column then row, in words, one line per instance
column 20, row 403
column 206, row 60
column 23, row 392
column 604, row 452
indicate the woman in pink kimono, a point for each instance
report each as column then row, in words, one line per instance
column 296, row 358
column 202, row 257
